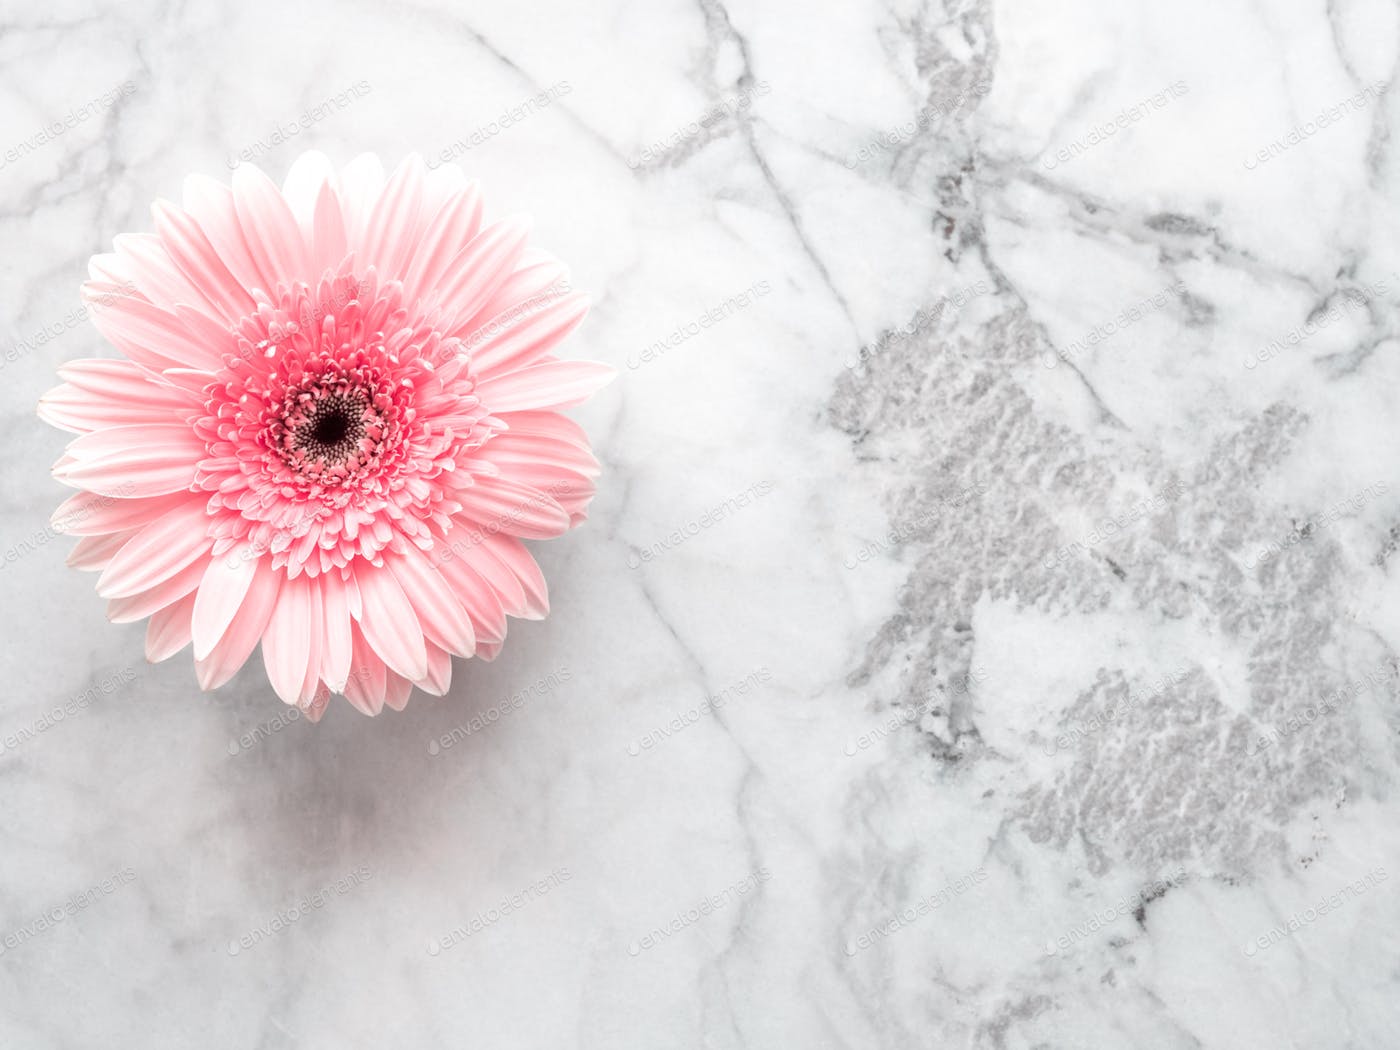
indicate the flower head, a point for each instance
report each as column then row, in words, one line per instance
column 337, row 417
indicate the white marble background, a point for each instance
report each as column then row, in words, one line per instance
column 1055, row 643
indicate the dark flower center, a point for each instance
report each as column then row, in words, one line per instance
column 332, row 429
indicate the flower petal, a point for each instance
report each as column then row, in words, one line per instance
column 447, row 233
column 528, row 340
column 394, row 225
column 133, row 461
column 159, row 551
column 92, row 514
column 444, row 621
column 481, row 267
column 244, row 631
column 498, row 505
column 269, row 228
column 389, row 622
column 221, row 592
column 169, row 630
column 554, row 384
column 365, row 687
column 284, row 643
column 337, row 645
column 191, row 250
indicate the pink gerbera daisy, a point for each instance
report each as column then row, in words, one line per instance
column 337, row 417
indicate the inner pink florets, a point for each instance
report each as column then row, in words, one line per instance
column 343, row 425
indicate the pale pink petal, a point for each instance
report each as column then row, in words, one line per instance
column 472, row 569
column 305, row 179
column 329, row 241
column 269, row 229
column 481, row 267
column 190, row 249
column 554, row 384
column 392, row 630
column 212, row 206
column 475, row 594
column 365, row 687
column 221, row 592
column 313, row 640
column 95, row 553
column 396, row 691
column 244, row 631
column 527, row 341
column 444, row 621
column 157, row 552
column 448, row 232
column 284, row 643
column 394, row 224
column 511, row 553
column 156, row 274
column 145, row 603
column 141, row 468
column 70, row 408
column 532, row 286
column 520, row 448
column 169, row 630
column 498, row 505
column 358, row 187
column 336, row 644
column 439, row 677
column 91, row 514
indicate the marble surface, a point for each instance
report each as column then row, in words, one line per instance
column 986, row 633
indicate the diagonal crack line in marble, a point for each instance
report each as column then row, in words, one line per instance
column 718, row 25
column 443, row 18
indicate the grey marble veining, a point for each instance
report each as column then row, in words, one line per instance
column 986, row 632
